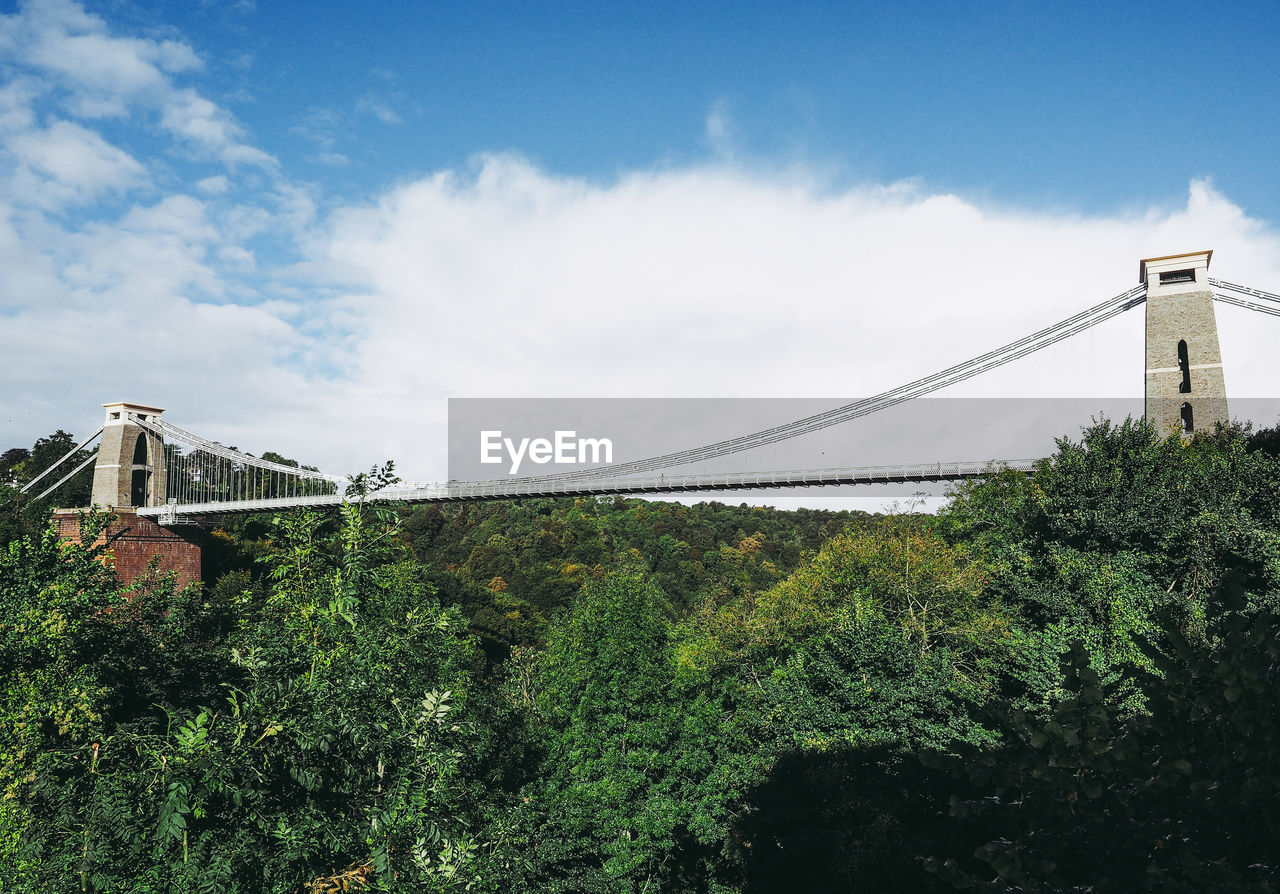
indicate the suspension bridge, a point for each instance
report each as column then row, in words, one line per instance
column 147, row 466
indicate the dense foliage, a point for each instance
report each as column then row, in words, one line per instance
column 1061, row 682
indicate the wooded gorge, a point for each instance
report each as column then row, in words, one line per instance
column 1063, row 682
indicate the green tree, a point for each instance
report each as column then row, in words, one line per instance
column 255, row 739
column 610, row 806
column 1184, row 797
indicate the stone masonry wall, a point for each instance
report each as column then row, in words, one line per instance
column 1189, row 317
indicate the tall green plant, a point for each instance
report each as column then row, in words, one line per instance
column 293, row 739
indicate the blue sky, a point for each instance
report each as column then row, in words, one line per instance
column 304, row 227
column 1086, row 106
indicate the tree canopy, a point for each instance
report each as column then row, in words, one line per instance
column 1060, row 682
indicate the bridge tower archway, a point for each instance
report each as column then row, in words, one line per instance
column 130, row 469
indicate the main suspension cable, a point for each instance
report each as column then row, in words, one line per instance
column 950, row 376
column 72, row 452
column 1244, row 290
column 1240, row 302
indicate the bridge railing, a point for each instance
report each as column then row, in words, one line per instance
column 654, row 484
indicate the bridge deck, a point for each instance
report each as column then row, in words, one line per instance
column 602, row 486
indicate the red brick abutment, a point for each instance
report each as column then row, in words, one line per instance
column 139, row 541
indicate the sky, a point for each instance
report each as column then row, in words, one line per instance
column 304, row 227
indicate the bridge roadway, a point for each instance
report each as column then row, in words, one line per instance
column 517, row 488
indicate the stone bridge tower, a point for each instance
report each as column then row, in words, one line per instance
column 130, row 474
column 130, row 470
column 1185, row 390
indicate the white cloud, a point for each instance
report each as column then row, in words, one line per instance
column 16, row 98
column 332, row 159
column 176, row 215
column 378, row 108
column 105, row 288
column 214, row 186
column 717, row 282
column 295, row 206
column 243, row 222
column 718, row 129
column 321, row 126
column 27, row 277
column 238, row 257
column 105, row 71
column 191, row 117
column 73, row 165
column 98, row 74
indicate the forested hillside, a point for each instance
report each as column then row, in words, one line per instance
column 1063, row 682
